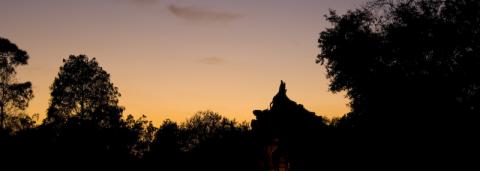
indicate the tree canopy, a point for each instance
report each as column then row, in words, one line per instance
column 14, row 96
column 406, row 62
column 83, row 90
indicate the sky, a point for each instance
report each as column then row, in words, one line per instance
column 172, row 58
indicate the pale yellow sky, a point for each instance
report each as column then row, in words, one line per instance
column 173, row 58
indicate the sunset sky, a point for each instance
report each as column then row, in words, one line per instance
column 170, row 58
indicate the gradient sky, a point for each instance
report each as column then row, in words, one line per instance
column 173, row 58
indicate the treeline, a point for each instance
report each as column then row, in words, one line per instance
column 411, row 69
column 85, row 124
column 205, row 141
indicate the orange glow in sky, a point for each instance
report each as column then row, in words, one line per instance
column 173, row 58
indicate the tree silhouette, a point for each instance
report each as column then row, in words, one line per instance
column 402, row 63
column 84, row 121
column 139, row 133
column 411, row 69
column 205, row 141
column 13, row 95
column 166, row 146
column 218, row 143
column 83, row 90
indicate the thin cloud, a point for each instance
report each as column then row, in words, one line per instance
column 212, row 61
column 144, row 1
column 141, row 3
column 201, row 14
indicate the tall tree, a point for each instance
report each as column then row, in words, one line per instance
column 407, row 63
column 83, row 90
column 13, row 95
